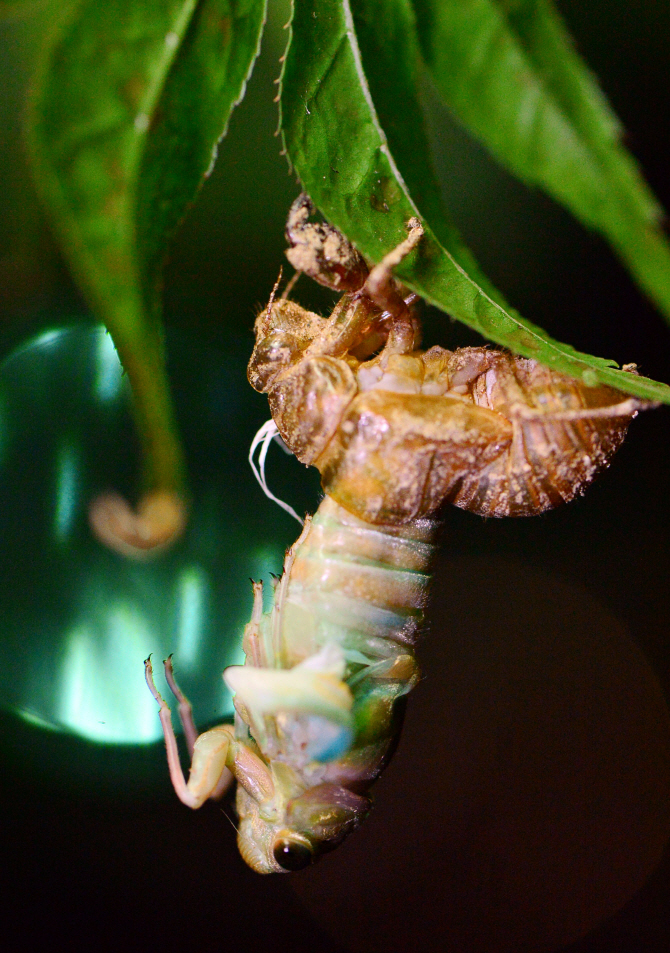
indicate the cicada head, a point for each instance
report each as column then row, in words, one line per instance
column 283, row 331
column 291, row 833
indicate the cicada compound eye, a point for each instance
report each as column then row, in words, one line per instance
column 292, row 852
column 272, row 354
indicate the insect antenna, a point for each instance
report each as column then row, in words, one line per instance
column 274, row 292
column 290, row 285
column 230, row 820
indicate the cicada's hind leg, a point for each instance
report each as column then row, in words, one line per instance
column 209, row 776
column 217, row 755
column 185, row 711
column 185, row 707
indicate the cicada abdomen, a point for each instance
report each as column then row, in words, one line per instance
column 564, row 434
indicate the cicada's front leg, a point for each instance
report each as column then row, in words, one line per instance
column 319, row 250
column 322, row 252
column 216, row 755
column 382, row 289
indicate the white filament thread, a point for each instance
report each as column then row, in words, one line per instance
column 267, row 433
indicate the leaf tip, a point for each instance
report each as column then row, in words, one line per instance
column 159, row 521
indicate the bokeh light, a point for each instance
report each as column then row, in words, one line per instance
column 78, row 620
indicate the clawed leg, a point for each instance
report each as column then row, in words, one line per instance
column 209, row 776
column 185, row 708
column 251, row 641
column 379, row 293
column 190, row 731
column 319, row 250
column 217, row 756
column 382, row 289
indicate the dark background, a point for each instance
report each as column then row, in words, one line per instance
column 528, row 807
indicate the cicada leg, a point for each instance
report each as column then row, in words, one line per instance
column 217, row 757
column 185, row 707
column 380, row 293
column 185, row 711
column 322, row 252
column 209, row 752
column 382, row 289
column 319, row 250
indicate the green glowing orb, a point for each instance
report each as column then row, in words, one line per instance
column 78, row 619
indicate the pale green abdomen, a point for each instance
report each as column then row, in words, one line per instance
column 362, row 586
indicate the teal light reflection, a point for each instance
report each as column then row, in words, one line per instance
column 108, row 370
column 46, row 338
column 102, row 694
column 192, row 608
column 66, row 490
column 77, row 619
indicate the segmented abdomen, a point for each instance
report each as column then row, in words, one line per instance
column 563, row 435
column 363, row 589
column 363, row 586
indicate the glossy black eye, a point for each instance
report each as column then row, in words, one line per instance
column 292, row 854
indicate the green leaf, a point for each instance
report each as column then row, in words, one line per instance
column 127, row 109
column 391, row 59
column 508, row 71
column 334, row 138
column 11, row 9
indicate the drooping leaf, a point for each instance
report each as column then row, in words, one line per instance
column 509, row 72
column 387, row 41
column 334, row 138
column 128, row 106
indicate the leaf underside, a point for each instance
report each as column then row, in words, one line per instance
column 508, row 71
column 344, row 136
column 127, row 108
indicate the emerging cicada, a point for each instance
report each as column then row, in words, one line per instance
column 395, row 432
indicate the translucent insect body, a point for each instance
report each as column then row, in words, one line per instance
column 395, row 432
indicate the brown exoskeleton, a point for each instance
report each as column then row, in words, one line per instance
column 396, row 433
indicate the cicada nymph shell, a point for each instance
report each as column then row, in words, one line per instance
column 514, row 440
column 564, row 434
column 397, row 435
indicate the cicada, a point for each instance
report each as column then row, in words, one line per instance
column 396, row 432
